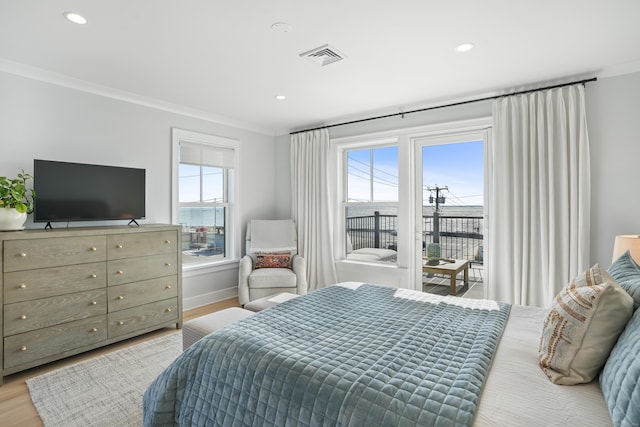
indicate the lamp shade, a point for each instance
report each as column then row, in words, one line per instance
column 628, row 242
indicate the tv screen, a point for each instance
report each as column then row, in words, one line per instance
column 84, row 192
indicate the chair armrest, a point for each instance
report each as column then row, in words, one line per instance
column 299, row 267
column 245, row 268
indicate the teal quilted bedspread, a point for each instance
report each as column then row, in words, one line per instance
column 360, row 356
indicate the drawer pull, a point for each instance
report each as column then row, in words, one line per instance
column 23, row 317
column 168, row 242
column 169, row 310
column 23, row 254
column 120, row 322
column 94, row 302
column 120, row 297
column 22, row 286
column 93, row 276
column 23, row 348
column 167, row 264
column 93, row 249
column 120, row 272
column 168, row 287
column 119, row 246
column 94, row 329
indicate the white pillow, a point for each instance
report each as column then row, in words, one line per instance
column 582, row 327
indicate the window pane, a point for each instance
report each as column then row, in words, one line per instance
column 203, row 232
column 189, row 183
column 385, row 174
column 371, row 226
column 372, row 175
column 213, row 184
column 359, row 175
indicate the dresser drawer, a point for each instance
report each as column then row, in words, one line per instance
column 144, row 316
column 133, row 294
column 30, row 346
column 135, row 269
column 52, row 252
column 41, row 313
column 141, row 244
column 46, row 282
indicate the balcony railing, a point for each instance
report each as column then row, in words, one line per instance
column 460, row 237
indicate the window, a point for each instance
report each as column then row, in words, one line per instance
column 371, row 208
column 205, row 171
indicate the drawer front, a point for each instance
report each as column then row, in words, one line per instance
column 137, row 293
column 34, row 345
column 41, row 313
column 53, row 252
column 141, row 244
column 136, row 269
column 144, row 316
column 46, row 282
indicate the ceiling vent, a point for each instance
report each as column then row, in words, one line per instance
column 323, row 55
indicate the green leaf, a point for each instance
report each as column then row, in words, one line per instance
column 20, row 207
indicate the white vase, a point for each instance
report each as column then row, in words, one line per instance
column 11, row 219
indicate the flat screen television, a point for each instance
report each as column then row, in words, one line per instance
column 84, row 192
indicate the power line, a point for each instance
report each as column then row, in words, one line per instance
column 374, row 168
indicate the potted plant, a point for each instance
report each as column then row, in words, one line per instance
column 16, row 201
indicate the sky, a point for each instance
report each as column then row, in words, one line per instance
column 458, row 166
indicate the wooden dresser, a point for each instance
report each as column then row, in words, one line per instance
column 66, row 291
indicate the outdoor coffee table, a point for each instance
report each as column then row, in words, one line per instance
column 451, row 269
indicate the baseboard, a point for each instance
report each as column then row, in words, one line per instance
column 209, row 298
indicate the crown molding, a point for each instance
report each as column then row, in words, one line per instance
column 619, row 70
column 57, row 79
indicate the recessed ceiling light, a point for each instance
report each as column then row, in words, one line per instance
column 281, row 27
column 75, row 18
column 281, row 97
column 464, row 47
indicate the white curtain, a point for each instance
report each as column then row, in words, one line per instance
column 539, row 195
column 312, row 205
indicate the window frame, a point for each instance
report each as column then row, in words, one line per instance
column 232, row 209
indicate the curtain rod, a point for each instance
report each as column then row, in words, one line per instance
column 593, row 79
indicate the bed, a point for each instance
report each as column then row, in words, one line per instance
column 358, row 354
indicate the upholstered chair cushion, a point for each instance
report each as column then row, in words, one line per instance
column 272, row 278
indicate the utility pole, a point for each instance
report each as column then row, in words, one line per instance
column 436, row 214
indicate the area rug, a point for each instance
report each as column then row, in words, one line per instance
column 106, row 390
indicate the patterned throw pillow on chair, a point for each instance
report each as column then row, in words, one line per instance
column 275, row 260
column 582, row 326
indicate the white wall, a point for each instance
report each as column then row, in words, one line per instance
column 46, row 121
column 613, row 114
column 283, row 177
column 613, row 118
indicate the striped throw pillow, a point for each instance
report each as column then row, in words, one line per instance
column 582, row 326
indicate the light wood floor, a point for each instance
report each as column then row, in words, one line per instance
column 16, row 408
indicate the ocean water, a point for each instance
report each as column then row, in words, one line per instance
column 445, row 210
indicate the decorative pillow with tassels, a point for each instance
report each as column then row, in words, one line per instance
column 582, row 326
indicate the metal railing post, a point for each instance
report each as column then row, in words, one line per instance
column 376, row 229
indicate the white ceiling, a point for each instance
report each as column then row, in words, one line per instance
column 221, row 60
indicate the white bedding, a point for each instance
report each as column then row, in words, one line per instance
column 518, row 393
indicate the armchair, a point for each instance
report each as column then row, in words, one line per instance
column 271, row 264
